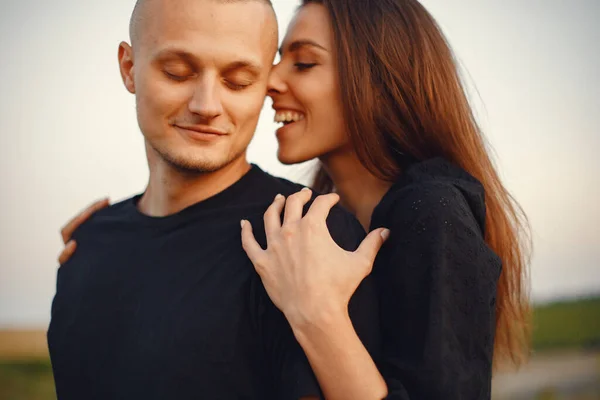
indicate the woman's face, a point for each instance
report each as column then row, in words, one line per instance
column 305, row 90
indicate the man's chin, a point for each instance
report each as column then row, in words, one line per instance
column 192, row 161
column 189, row 163
column 196, row 166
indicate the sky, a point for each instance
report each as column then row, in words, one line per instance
column 68, row 132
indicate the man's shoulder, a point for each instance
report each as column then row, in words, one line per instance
column 106, row 217
column 271, row 184
column 343, row 226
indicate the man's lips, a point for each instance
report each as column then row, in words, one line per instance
column 205, row 129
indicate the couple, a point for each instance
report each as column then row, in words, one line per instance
column 160, row 300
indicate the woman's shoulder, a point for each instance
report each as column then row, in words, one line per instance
column 434, row 216
column 436, row 192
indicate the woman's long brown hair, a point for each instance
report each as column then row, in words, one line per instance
column 403, row 100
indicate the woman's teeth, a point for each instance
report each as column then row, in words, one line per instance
column 288, row 116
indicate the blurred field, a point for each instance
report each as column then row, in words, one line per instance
column 566, row 361
column 23, row 345
column 574, row 324
column 26, row 380
column 565, row 364
column 25, row 370
column 556, row 375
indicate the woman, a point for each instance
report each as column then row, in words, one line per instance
column 371, row 89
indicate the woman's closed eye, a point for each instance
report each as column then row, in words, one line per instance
column 304, row 66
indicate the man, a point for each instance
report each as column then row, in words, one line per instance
column 160, row 301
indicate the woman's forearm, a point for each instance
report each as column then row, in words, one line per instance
column 342, row 364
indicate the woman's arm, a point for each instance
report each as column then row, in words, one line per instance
column 437, row 282
column 311, row 280
column 344, row 368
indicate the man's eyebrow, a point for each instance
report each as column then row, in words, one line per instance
column 182, row 54
column 251, row 66
column 248, row 65
column 297, row 44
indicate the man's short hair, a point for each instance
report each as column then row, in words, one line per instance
column 137, row 16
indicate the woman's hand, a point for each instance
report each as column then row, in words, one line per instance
column 67, row 231
column 306, row 274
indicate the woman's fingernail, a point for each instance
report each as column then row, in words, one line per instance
column 278, row 197
column 306, row 190
column 242, row 223
column 385, row 234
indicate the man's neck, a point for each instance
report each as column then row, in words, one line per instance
column 171, row 190
column 359, row 190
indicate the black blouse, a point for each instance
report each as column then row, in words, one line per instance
column 437, row 280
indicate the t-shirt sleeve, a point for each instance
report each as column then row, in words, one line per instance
column 437, row 282
column 288, row 368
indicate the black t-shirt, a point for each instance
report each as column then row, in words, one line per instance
column 171, row 307
column 436, row 278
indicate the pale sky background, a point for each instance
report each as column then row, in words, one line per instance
column 68, row 132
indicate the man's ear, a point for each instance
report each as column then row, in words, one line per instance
column 126, row 66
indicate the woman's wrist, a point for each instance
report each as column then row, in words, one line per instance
column 321, row 322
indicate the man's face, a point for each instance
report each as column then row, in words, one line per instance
column 199, row 72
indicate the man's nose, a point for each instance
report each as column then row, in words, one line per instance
column 206, row 101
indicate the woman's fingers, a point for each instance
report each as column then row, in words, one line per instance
column 319, row 209
column 370, row 245
column 67, row 231
column 67, row 252
column 251, row 246
column 272, row 217
column 294, row 206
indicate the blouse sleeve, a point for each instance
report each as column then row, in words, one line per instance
column 437, row 281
